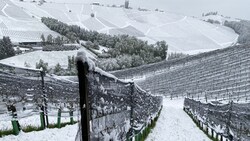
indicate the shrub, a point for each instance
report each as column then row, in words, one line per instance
column 59, row 48
column 42, row 65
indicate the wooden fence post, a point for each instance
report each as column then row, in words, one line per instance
column 42, row 120
column 83, row 69
column 71, row 116
column 59, row 118
column 45, row 106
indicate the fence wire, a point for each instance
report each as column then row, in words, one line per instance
column 118, row 109
column 227, row 119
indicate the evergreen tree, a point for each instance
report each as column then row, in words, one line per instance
column 43, row 39
column 58, row 69
column 49, row 39
column 58, row 40
column 6, row 49
column 42, row 65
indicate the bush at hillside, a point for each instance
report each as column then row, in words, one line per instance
column 59, row 48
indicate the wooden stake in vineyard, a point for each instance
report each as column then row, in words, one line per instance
column 83, row 68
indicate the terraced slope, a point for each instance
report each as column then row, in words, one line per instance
column 217, row 74
column 19, row 25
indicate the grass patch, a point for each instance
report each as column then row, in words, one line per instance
column 6, row 132
column 30, row 128
column 197, row 124
column 51, row 126
column 151, row 126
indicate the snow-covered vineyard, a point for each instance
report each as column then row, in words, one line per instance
column 218, row 81
column 216, row 75
column 198, row 89
column 120, row 109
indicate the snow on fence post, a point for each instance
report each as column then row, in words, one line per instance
column 45, row 104
column 132, row 109
column 83, row 68
column 59, row 118
column 212, row 133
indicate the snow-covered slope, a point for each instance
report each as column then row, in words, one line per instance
column 50, row 57
column 19, row 25
column 67, row 133
column 175, row 125
column 182, row 33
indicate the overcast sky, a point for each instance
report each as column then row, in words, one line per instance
column 232, row 8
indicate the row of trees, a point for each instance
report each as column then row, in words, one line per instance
column 242, row 28
column 59, row 40
column 6, row 48
column 58, row 69
column 119, row 46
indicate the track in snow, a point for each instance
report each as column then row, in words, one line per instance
column 175, row 125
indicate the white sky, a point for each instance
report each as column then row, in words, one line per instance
column 232, row 8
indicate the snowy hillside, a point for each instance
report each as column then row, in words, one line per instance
column 182, row 33
column 19, row 25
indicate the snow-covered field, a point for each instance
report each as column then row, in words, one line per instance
column 50, row 57
column 175, row 125
column 19, row 25
column 182, row 34
column 67, row 133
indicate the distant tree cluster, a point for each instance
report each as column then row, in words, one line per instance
column 90, row 45
column 210, row 13
column 58, row 69
column 213, row 21
column 242, row 28
column 121, row 62
column 176, row 55
column 119, row 46
column 6, row 48
column 53, row 40
column 59, row 47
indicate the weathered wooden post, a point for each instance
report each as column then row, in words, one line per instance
column 45, row 104
column 59, row 118
column 83, row 69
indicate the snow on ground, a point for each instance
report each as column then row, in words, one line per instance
column 175, row 125
column 19, row 25
column 34, row 120
column 50, row 57
column 182, row 33
column 67, row 133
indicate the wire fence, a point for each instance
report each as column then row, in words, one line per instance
column 29, row 97
column 230, row 120
column 118, row 109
